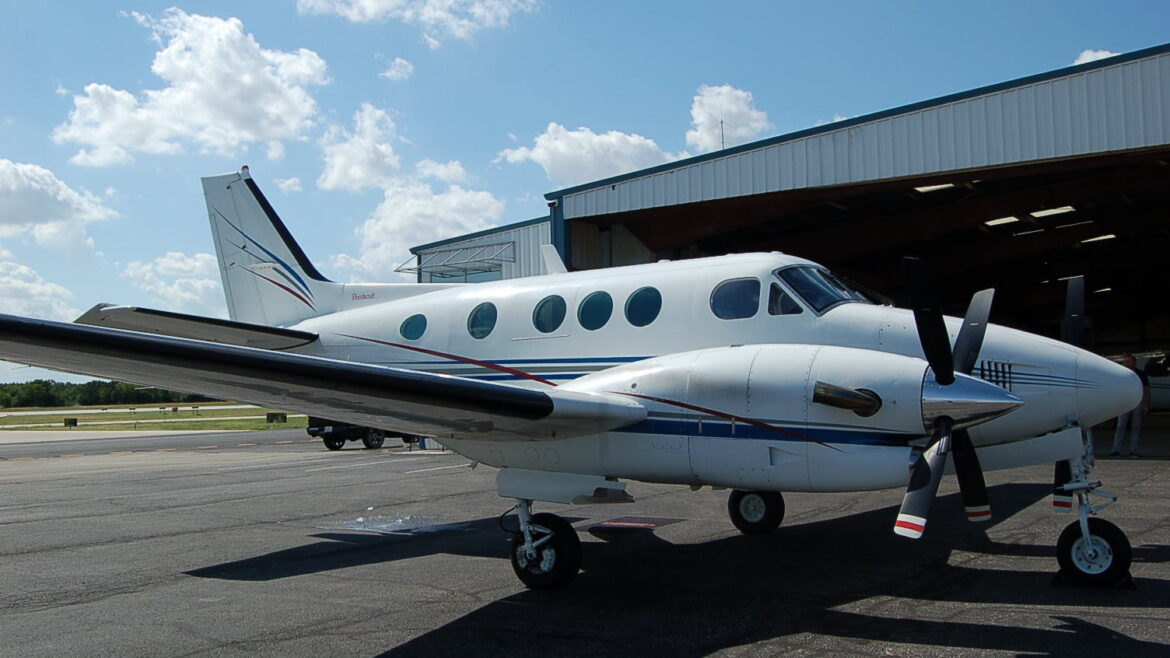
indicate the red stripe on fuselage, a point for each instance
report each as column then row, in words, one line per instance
column 461, row 359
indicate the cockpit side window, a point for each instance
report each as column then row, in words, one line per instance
column 819, row 288
column 781, row 303
column 736, row 299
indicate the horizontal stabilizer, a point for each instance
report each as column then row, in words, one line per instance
column 393, row 399
column 181, row 325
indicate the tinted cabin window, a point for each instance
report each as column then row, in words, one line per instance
column 549, row 314
column 736, row 299
column 482, row 320
column 413, row 327
column 781, row 303
column 643, row 306
column 595, row 310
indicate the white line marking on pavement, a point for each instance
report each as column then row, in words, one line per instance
column 439, row 468
column 380, row 461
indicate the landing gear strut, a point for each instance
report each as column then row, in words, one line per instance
column 1090, row 551
column 755, row 512
column 546, row 552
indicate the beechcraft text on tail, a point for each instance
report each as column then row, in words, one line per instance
column 762, row 373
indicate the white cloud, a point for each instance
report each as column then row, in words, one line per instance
column 577, row 156
column 25, row 292
column 399, row 69
column 456, row 18
column 836, row 117
column 33, row 201
column 223, row 90
column 275, row 150
column 413, row 213
column 178, row 282
column 1093, row 55
column 724, row 116
column 361, row 158
column 289, row 185
column 449, row 172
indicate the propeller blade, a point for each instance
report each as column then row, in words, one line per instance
column 928, row 318
column 1072, row 331
column 970, row 476
column 924, row 479
column 970, row 338
column 1062, row 501
column 1072, row 328
column 860, row 401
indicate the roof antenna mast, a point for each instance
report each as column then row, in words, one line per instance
column 722, row 142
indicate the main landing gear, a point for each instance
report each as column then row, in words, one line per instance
column 755, row 512
column 546, row 552
column 1090, row 551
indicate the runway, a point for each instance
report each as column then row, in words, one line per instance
column 266, row 543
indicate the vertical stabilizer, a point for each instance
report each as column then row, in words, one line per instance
column 266, row 276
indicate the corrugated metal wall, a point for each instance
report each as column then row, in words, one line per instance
column 527, row 239
column 1112, row 108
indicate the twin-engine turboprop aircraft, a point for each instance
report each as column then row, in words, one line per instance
column 761, row 373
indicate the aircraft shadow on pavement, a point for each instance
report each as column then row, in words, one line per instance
column 639, row 592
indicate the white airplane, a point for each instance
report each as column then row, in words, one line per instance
column 761, row 373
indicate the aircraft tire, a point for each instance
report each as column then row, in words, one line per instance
column 333, row 443
column 556, row 562
column 755, row 512
column 374, row 439
column 1104, row 567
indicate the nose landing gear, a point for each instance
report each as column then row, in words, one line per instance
column 1090, row 551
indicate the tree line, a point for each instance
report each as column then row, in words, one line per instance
column 48, row 393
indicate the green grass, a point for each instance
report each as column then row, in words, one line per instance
column 183, row 406
column 240, row 424
column 57, row 417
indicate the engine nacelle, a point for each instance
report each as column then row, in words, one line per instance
column 744, row 417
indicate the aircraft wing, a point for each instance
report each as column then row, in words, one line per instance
column 374, row 396
column 181, row 325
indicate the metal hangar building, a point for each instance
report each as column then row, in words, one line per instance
column 1016, row 186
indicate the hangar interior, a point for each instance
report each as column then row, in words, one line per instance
column 1022, row 230
column 1017, row 186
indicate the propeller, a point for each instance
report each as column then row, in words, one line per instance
column 945, row 438
column 1072, row 331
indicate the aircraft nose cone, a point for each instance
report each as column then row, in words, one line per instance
column 1104, row 389
column 968, row 401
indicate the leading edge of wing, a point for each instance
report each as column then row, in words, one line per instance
column 376, row 396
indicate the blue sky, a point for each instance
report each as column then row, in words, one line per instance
column 376, row 125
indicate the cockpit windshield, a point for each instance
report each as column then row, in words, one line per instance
column 819, row 288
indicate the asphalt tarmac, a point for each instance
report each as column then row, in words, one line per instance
column 265, row 543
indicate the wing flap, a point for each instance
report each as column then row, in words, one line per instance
column 181, row 325
column 375, row 396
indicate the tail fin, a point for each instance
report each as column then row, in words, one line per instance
column 266, row 276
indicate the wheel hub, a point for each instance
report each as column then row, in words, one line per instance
column 752, row 508
column 1093, row 556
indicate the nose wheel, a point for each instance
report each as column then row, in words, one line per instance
column 1100, row 556
column 546, row 553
